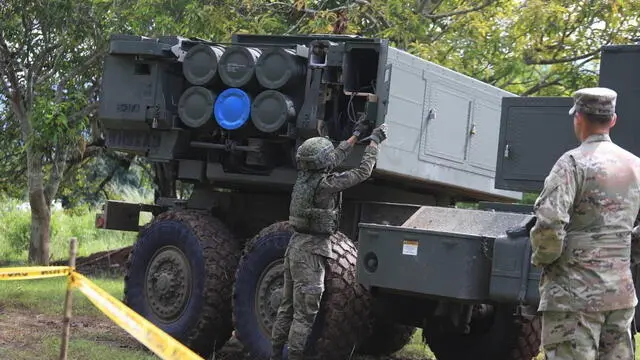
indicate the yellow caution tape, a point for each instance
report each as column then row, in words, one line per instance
column 33, row 272
column 163, row 345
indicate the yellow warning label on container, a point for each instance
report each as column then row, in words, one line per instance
column 163, row 345
column 410, row 247
column 33, row 272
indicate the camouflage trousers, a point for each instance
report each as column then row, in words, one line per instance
column 303, row 288
column 602, row 335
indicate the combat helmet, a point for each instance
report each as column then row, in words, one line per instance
column 314, row 153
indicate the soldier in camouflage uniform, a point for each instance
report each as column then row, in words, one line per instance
column 314, row 215
column 582, row 239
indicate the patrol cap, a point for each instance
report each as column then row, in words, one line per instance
column 596, row 100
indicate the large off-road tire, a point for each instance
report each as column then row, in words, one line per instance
column 386, row 338
column 503, row 337
column 179, row 276
column 342, row 322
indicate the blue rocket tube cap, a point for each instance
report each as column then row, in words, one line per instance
column 232, row 108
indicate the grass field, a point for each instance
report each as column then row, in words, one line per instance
column 31, row 310
column 31, row 325
column 14, row 233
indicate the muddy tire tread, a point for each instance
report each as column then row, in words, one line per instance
column 221, row 253
column 527, row 344
column 345, row 303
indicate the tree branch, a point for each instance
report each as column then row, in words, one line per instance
column 78, row 70
column 350, row 5
column 123, row 163
column 443, row 31
column 4, row 85
column 460, row 12
column 91, row 151
column 93, row 91
column 13, row 88
column 77, row 162
column 57, row 54
column 376, row 24
column 295, row 26
column 306, row 12
column 27, row 66
column 9, row 64
column 539, row 86
column 86, row 111
column 423, row 4
column 146, row 167
column 58, row 168
column 529, row 61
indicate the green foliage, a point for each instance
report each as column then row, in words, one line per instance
column 15, row 228
column 55, row 126
column 106, row 177
column 13, row 159
column 49, row 52
column 46, row 296
column 65, row 224
column 538, row 47
column 188, row 18
column 529, row 198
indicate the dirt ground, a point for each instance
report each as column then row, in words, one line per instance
column 23, row 335
column 23, row 330
column 112, row 261
column 27, row 335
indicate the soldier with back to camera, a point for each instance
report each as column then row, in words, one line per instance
column 314, row 216
column 582, row 239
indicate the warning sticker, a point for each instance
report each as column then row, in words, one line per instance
column 410, row 247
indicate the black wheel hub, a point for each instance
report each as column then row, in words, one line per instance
column 269, row 295
column 168, row 283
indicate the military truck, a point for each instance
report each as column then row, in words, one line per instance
column 227, row 118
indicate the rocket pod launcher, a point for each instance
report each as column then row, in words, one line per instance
column 243, row 106
column 234, row 113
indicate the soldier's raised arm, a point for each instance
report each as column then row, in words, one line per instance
column 553, row 211
column 340, row 153
column 343, row 180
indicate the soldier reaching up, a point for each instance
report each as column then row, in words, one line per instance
column 314, row 216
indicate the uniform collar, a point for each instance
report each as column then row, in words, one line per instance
column 597, row 138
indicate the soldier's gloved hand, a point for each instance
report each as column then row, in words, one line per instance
column 360, row 128
column 379, row 134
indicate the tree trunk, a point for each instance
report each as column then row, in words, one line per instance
column 40, row 210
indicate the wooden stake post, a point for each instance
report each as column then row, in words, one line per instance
column 66, row 322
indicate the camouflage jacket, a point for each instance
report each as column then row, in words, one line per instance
column 582, row 237
column 331, row 184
